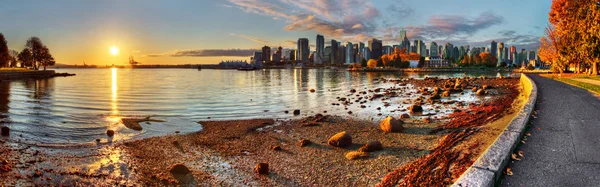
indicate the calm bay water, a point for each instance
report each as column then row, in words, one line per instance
column 79, row 109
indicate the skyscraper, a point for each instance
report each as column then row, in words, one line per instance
column 361, row 48
column 320, row 47
column 375, row 46
column 404, row 42
column 277, row 55
column 433, row 49
column 303, row 50
column 500, row 55
column 266, row 54
column 531, row 55
column 494, row 49
column 349, row 53
column 334, row 52
column 292, row 55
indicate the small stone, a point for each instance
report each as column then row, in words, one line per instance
column 275, row 148
column 179, row 168
column 371, row 146
column 390, row 124
column 262, row 168
column 5, row 131
column 312, row 90
column 480, row 92
column 353, row 155
column 415, row 108
column 110, row 133
column 304, row 142
column 341, row 139
column 404, row 116
column 296, row 112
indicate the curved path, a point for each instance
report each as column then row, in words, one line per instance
column 564, row 147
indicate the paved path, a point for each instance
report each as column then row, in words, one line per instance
column 564, row 147
column 589, row 81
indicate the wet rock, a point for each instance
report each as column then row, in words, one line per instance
column 262, row 168
column 286, row 111
column 485, row 87
column 304, row 142
column 371, row 146
column 415, row 108
column 435, row 97
column 110, row 133
column 480, row 92
column 37, row 173
column 352, row 90
column 312, row 90
column 427, row 120
column 390, row 124
column 4, row 166
column 296, row 112
column 475, row 89
column 179, row 168
column 404, row 116
column 353, row 155
column 5, row 131
column 446, row 94
column 341, row 139
column 275, row 148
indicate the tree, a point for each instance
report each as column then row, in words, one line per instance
column 46, row 58
column 4, row 52
column 13, row 58
column 465, row 60
column 548, row 50
column 372, row 63
column 386, row 60
column 363, row 62
column 379, row 62
column 421, row 61
column 26, row 58
column 36, row 47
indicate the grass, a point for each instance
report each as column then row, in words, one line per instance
column 14, row 70
column 587, row 86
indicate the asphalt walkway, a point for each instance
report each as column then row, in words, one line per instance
column 564, row 147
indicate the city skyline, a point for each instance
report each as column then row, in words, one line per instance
column 191, row 32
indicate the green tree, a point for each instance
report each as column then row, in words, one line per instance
column 4, row 52
column 363, row 62
column 26, row 58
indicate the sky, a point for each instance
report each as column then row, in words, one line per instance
column 208, row 31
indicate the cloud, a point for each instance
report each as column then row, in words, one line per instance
column 400, row 10
column 449, row 26
column 206, row 53
column 251, row 38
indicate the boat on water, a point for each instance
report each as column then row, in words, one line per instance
column 200, row 68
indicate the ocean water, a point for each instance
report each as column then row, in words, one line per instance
column 79, row 109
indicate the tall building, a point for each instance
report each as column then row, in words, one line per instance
column 421, row 48
column 327, row 55
column 342, row 54
column 388, row 49
column 303, row 50
column 500, row 54
column 292, row 55
column 404, row 42
column 361, row 48
column 375, row 46
column 512, row 51
column 320, row 47
column 494, row 49
column 266, row 54
column 433, row 49
column 277, row 55
column 256, row 58
column 334, row 57
column 349, row 53
column 531, row 55
column 355, row 53
column 505, row 60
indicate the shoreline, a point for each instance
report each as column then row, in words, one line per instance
column 30, row 74
column 225, row 152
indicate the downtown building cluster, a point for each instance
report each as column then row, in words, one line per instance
column 348, row 53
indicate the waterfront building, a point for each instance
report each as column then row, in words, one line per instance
column 421, row 48
column 404, row 42
column 327, row 55
column 494, row 49
column 319, row 51
column 433, row 49
column 349, row 53
column 342, row 54
column 531, row 55
column 375, row 46
column 500, row 53
column 303, row 50
column 277, row 55
column 266, row 54
column 506, row 60
column 334, row 57
column 388, row 49
column 292, row 55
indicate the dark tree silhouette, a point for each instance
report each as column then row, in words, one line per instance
column 13, row 58
column 26, row 58
column 46, row 58
column 4, row 53
column 36, row 47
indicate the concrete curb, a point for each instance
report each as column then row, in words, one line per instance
column 489, row 167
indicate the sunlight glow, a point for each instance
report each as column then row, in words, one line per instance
column 115, row 109
column 114, row 50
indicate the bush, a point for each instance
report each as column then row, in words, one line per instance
column 530, row 67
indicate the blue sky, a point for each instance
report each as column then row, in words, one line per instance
column 206, row 31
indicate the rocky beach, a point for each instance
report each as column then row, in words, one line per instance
column 429, row 139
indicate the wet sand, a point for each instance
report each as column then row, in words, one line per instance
column 225, row 152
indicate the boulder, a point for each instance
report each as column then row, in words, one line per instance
column 480, row 92
column 110, row 133
column 353, row 155
column 296, row 112
column 415, row 108
column 262, row 168
column 404, row 116
column 304, row 142
column 475, row 88
column 341, row 139
column 390, row 124
column 5, row 131
column 371, row 146
column 179, row 168
column 446, row 94
column 275, row 148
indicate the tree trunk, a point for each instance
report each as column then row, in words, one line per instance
column 595, row 68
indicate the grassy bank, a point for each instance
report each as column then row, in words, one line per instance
column 587, row 86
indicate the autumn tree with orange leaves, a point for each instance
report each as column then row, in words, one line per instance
column 573, row 38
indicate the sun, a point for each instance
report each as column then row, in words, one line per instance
column 114, row 50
